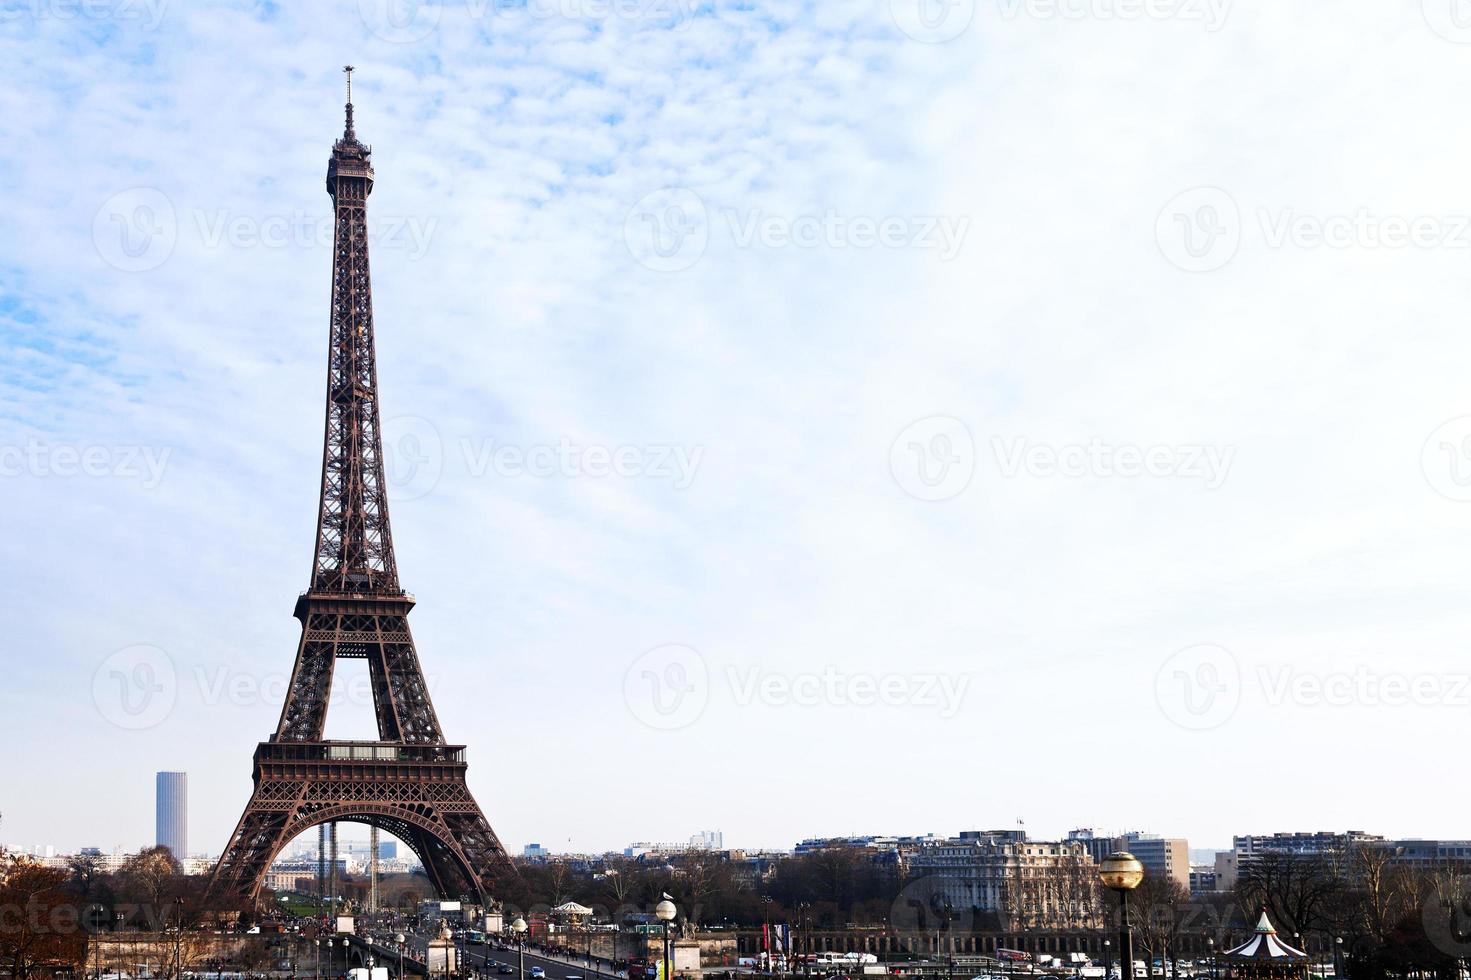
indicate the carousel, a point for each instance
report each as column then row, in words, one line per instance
column 1264, row 956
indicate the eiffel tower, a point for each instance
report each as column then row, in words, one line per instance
column 409, row 782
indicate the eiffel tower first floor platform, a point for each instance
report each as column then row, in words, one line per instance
column 415, row 792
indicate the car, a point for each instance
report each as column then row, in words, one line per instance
column 573, row 976
column 537, row 973
column 505, row 969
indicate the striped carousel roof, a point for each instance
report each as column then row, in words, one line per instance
column 1264, row 945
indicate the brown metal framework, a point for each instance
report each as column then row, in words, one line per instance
column 408, row 782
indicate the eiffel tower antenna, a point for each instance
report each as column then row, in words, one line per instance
column 347, row 130
column 408, row 781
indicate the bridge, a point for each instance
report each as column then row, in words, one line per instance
column 359, row 948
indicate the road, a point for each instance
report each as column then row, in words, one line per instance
column 484, row 960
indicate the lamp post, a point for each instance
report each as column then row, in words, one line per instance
column 1337, row 945
column 1122, row 872
column 1210, row 944
column 1107, row 959
column 666, row 912
column 401, row 940
column 519, row 928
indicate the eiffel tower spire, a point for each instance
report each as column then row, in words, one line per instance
column 347, row 133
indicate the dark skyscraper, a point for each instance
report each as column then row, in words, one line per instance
column 171, row 812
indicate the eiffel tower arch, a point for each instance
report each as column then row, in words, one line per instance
column 408, row 782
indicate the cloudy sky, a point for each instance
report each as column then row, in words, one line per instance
column 876, row 416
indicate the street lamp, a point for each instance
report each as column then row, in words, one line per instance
column 400, row 939
column 1337, row 945
column 1122, row 872
column 519, row 928
column 666, row 912
column 1107, row 959
column 1210, row 942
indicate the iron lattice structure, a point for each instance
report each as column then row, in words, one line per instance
column 409, row 782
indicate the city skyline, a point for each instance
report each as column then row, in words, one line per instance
column 792, row 508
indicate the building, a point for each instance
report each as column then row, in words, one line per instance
column 704, row 841
column 1098, row 846
column 1319, row 842
column 1203, row 880
column 1428, row 853
column 1161, row 856
column 1002, row 880
column 534, row 852
column 1248, row 848
column 1167, row 857
column 171, row 812
column 1227, row 870
column 301, row 876
column 387, row 850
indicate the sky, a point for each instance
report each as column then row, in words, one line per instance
column 882, row 416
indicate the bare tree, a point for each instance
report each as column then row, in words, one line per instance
column 40, row 927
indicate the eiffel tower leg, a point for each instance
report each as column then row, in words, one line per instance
column 242, row 867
